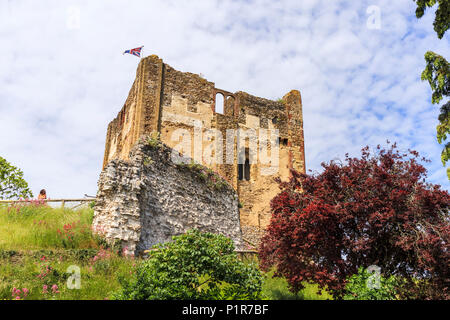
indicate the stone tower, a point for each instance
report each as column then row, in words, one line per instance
column 183, row 106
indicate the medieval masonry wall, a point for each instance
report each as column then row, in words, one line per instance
column 165, row 100
column 147, row 199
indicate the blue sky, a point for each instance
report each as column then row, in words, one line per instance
column 63, row 76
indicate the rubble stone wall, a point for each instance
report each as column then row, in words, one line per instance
column 148, row 198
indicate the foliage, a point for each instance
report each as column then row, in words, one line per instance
column 212, row 179
column 153, row 140
column 12, row 183
column 437, row 73
column 376, row 210
column 148, row 161
column 92, row 204
column 194, row 266
column 358, row 287
column 442, row 18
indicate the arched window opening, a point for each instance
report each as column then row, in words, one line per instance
column 220, row 103
column 244, row 168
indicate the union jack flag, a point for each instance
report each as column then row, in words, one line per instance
column 136, row 51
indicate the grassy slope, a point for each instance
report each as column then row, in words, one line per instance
column 36, row 227
column 33, row 238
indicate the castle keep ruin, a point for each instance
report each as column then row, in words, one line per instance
column 180, row 106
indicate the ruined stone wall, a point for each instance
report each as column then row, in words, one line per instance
column 148, row 199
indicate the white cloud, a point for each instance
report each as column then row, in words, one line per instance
column 60, row 87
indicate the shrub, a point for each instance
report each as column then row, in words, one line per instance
column 194, row 266
column 204, row 174
column 153, row 140
column 360, row 286
column 376, row 210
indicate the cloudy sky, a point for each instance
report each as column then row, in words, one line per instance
column 357, row 65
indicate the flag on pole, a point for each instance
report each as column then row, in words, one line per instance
column 136, row 51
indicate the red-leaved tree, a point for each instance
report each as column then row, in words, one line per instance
column 376, row 210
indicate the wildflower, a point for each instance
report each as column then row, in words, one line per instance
column 45, row 289
column 55, row 288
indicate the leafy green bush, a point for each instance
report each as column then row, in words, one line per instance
column 194, row 266
column 358, row 287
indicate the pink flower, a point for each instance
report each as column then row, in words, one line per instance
column 44, row 288
column 16, row 292
column 55, row 288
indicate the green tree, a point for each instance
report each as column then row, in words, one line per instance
column 442, row 18
column 12, row 183
column 437, row 72
column 194, row 266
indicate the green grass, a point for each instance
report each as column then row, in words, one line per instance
column 34, row 237
column 28, row 227
column 27, row 270
column 277, row 289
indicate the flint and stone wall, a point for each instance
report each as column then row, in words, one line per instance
column 147, row 199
